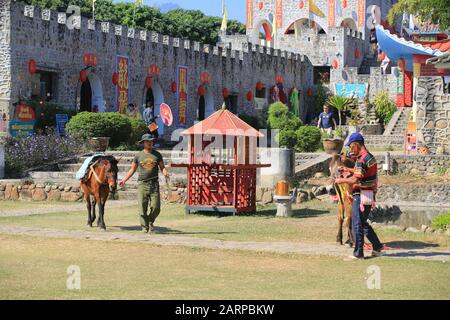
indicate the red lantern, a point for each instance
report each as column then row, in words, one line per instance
column 173, row 86
column 205, row 77
column 260, row 5
column 249, row 96
column 83, row 75
column 225, row 92
column 301, row 4
column 115, row 78
column 32, row 66
column 201, row 91
column 259, row 86
column 148, row 82
column 344, row 4
column 310, row 92
column 279, row 79
column 357, row 53
column 335, row 64
column 401, row 64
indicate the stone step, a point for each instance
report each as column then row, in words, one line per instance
column 74, row 167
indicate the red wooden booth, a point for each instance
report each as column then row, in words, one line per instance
column 221, row 164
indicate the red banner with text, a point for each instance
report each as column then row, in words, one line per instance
column 331, row 13
column 182, row 78
column 361, row 12
column 279, row 14
column 122, row 84
column 249, row 13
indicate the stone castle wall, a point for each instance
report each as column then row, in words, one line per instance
column 42, row 35
column 5, row 57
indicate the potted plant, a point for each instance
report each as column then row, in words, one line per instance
column 335, row 142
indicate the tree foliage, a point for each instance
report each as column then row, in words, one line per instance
column 180, row 23
column 436, row 11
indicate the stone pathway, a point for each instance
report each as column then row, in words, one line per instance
column 275, row 247
column 61, row 207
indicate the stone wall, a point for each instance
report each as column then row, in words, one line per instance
column 430, row 193
column 43, row 36
column 432, row 114
column 5, row 59
column 417, row 165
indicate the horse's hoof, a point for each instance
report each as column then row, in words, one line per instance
column 348, row 245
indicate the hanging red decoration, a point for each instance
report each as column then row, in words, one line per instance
column 310, row 92
column 83, row 75
column 357, row 53
column 344, row 4
column 335, row 64
column 260, row 5
column 301, row 4
column 205, row 77
column 259, row 86
column 250, row 95
column 201, row 91
column 90, row 59
column 115, row 78
column 148, row 82
column 401, row 64
column 32, row 66
column 225, row 92
column 279, row 79
column 173, row 87
column 153, row 70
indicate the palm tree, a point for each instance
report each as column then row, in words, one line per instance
column 341, row 103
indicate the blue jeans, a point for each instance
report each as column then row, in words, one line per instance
column 361, row 228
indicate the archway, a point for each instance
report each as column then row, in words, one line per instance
column 154, row 96
column 91, row 94
column 262, row 31
column 303, row 25
column 205, row 105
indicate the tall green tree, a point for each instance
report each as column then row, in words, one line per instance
column 436, row 11
column 187, row 24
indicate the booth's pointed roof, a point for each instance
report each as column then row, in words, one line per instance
column 223, row 122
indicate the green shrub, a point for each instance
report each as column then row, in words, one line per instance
column 441, row 221
column 308, row 139
column 46, row 114
column 106, row 124
column 384, row 107
column 286, row 138
column 279, row 117
column 138, row 128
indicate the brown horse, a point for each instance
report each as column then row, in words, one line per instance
column 98, row 183
column 345, row 197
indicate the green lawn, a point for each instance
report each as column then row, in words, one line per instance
column 35, row 268
column 314, row 221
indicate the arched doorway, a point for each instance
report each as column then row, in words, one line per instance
column 154, row 96
column 205, row 105
column 91, row 94
column 262, row 31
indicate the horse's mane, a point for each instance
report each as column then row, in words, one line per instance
column 111, row 159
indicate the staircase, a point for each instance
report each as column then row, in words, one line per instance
column 64, row 173
column 399, row 121
column 367, row 63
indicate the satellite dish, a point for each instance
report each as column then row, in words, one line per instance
column 166, row 114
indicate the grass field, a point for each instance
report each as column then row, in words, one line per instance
column 314, row 221
column 35, row 267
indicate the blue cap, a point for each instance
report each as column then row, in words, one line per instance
column 355, row 137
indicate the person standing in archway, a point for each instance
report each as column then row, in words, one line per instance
column 150, row 120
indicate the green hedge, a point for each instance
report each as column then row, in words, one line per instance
column 441, row 221
column 308, row 139
column 106, row 124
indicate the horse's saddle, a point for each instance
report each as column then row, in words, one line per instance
column 84, row 169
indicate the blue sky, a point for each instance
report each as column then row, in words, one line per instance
column 236, row 8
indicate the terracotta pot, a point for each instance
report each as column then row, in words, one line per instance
column 332, row 146
column 98, row 144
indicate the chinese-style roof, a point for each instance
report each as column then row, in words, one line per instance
column 445, row 58
column 223, row 122
column 397, row 47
